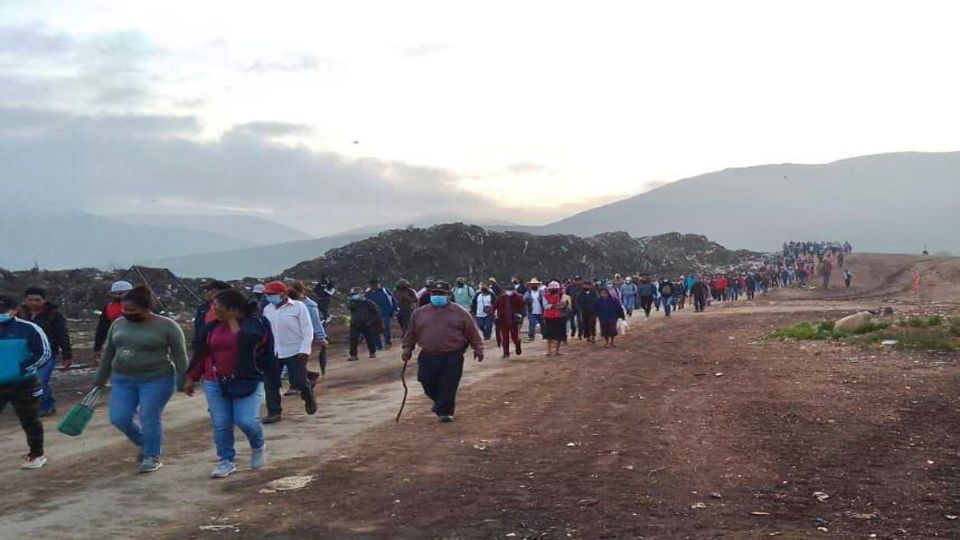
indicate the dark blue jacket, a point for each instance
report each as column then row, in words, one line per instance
column 384, row 301
column 199, row 323
column 608, row 309
column 256, row 349
column 648, row 289
column 24, row 349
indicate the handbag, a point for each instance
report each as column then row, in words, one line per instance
column 79, row 415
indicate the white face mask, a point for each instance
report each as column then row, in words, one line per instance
column 510, row 293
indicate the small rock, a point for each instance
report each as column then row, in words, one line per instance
column 587, row 502
column 716, row 495
column 823, row 529
column 951, row 517
column 759, row 513
column 821, row 496
column 695, row 506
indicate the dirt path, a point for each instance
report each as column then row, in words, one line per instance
column 622, row 443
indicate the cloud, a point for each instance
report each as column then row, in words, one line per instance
column 527, row 167
column 109, row 163
column 304, row 62
column 271, row 129
column 425, row 49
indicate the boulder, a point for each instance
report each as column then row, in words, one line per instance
column 851, row 323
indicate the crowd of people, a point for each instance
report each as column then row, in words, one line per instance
column 244, row 344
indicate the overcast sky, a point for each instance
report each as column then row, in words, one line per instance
column 523, row 111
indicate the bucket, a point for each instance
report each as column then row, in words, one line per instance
column 79, row 415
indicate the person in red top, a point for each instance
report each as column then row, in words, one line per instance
column 110, row 313
column 229, row 360
column 555, row 318
column 509, row 311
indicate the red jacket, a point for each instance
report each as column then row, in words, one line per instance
column 507, row 306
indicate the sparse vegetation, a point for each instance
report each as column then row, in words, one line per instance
column 933, row 333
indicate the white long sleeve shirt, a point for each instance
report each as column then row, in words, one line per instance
column 292, row 328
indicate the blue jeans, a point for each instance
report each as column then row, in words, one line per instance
column 667, row 303
column 47, row 403
column 387, row 338
column 146, row 398
column 486, row 325
column 229, row 413
column 533, row 321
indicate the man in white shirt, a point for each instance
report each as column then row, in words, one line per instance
column 293, row 337
column 482, row 309
column 533, row 298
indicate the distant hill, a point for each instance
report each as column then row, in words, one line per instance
column 78, row 239
column 448, row 251
column 425, row 221
column 892, row 203
column 252, row 229
column 258, row 261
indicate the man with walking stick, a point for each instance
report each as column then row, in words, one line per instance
column 443, row 330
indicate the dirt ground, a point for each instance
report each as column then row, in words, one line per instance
column 693, row 427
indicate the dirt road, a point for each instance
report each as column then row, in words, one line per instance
column 694, row 427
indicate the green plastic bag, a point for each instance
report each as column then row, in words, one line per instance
column 80, row 414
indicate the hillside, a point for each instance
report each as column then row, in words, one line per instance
column 448, row 251
column 893, row 203
column 251, row 229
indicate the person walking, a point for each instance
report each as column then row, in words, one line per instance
column 325, row 292
column 205, row 314
column 111, row 312
column 387, row 308
column 293, row 339
column 144, row 356
column 509, row 312
column 647, row 291
column 39, row 311
column 609, row 310
column 700, row 293
column 406, row 302
column 666, row 295
column 555, row 317
column 587, row 308
column 443, row 331
column 573, row 291
column 482, row 308
column 235, row 352
column 298, row 291
column 24, row 350
column 533, row 299
column 365, row 321
column 463, row 294
column 629, row 292
column 847, row 278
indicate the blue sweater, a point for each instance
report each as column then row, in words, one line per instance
column 24, row 349
column 384, row 301
column 609, row 309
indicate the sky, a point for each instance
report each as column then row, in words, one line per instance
column 332, row 115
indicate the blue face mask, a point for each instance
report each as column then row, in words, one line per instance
column 355, row 297
column 5, row 317
column 274, row 299
column 439, row 300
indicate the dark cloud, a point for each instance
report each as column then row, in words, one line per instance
column 102, row 163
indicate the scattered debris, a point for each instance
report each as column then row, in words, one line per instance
column 574, row 444
column 289, row 483
column 695, row 506
column 587, row 502
column 759, row 513
column 821, row 496
column 716, row 495
column 855, row 515
column 480, row 447
column 889, row 342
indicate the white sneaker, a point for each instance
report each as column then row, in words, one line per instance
column 223, row 470
column 30, row 463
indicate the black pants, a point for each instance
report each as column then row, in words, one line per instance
column 588, row 324
column 25, row 397
column 403, row 317
column 369, row 337
column 699, row 302
column 440, row 374
column 646, row 302
column 297, row 370
column 573, row 323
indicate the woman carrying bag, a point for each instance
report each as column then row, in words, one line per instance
column 144, row 352
column 233, row 353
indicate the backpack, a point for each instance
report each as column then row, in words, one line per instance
column 666, row 289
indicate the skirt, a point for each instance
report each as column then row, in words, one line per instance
column 608, row 328
column 555, row 329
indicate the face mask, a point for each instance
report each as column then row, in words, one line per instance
column 355, row 297
column 135, row 317
column 484, row 289
column 438, row 300
column 5, row 317
column 535, row 287
column 510, row 293
column 274, row 299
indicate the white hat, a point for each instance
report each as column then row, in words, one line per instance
column 121, row 286
column 258, row 288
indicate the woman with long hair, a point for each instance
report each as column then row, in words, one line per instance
column 145, row 353
column 229, row 362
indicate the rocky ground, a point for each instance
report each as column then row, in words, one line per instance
column 693, row 427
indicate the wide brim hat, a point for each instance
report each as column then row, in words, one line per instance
column 534, row 281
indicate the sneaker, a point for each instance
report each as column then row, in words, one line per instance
column 373, row 355
column 352, row 359
column 310, row 404
column 223, row 469
column 49, row 412
column 271, row 419
column 32, row 463
column 150, row 464
column 259, row 458
column 313, row 377
column 445, row 418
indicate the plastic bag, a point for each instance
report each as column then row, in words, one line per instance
column 79, row 415
column 622, row 326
